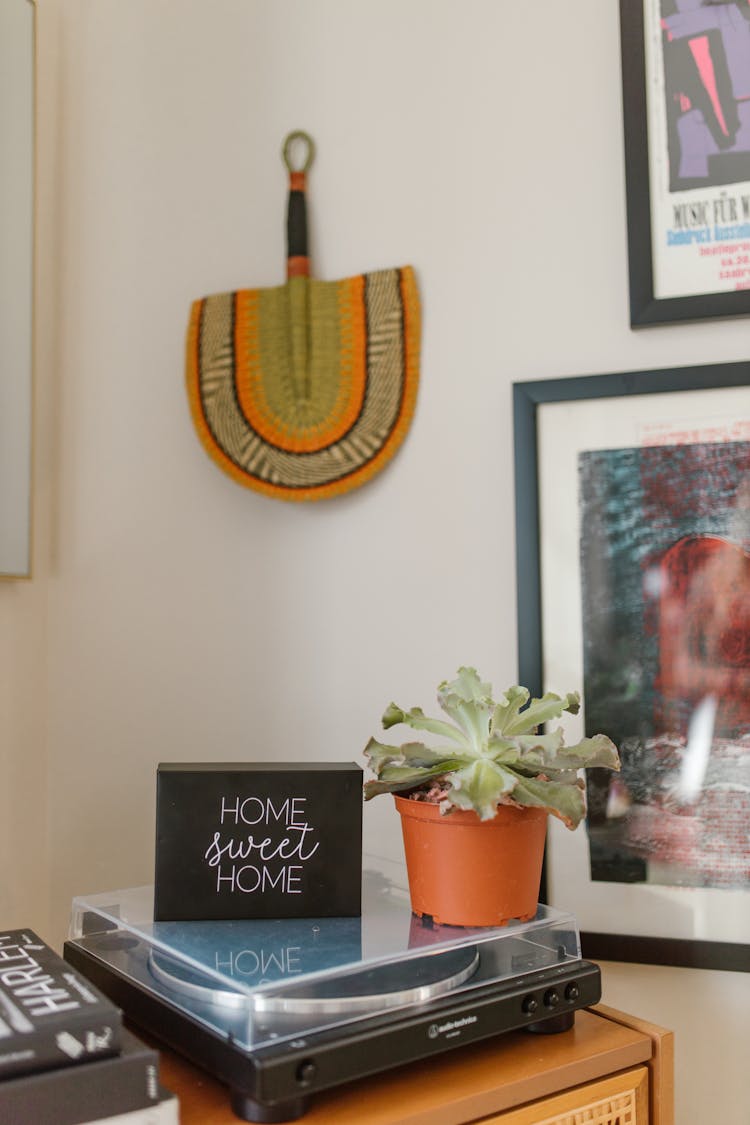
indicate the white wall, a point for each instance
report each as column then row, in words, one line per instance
column 176, row 615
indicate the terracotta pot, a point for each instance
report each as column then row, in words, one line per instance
column 470, row 872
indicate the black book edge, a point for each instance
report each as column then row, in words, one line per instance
column 164, row 1111
column 76, row 1094
column 50, row 1014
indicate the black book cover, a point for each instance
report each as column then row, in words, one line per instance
column 50, row 1015
column 76, row 1094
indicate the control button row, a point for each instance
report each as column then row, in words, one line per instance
column 551, row 998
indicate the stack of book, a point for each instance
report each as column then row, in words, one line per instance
column 65, row 1057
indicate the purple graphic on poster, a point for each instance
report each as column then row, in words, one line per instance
column 706, row 58
column 665, row 573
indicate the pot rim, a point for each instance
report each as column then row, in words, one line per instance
column 430, row 810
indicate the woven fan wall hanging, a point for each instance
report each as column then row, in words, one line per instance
column 305, row 390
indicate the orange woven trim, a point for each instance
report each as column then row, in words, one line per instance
column 412, row 329
column 192, row 376
column 192, row 381
column 297, row 181
column 351, row 377
column 298, row 266
column 248, row 385
column 192, row 365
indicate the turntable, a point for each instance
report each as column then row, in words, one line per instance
column 281, row 1009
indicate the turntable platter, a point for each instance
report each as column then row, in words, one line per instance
column 412, row 981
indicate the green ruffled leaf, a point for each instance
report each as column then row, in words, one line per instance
column 543, row 751
column 468, row 701
column 417, row 720
column 540, row 711
column 507, row 708
column 480, row 786
column 547, row 746
column 394, row 779
column 567, row 802
column 413, row 754
column 379, row 755
column 561, row 777
column 503, row 751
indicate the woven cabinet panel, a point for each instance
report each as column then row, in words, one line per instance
column 619, row 1100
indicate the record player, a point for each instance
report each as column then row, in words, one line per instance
column 281, row 1009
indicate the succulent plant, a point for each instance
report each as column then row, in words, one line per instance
column 493, row 753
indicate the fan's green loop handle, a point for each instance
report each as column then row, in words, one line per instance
column 297, row 259
column 306, row 139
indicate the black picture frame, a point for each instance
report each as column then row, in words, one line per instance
column 646, row 306
column 614, row 392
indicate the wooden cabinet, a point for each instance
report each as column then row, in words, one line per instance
column 609, row 1069
column 619, row 1100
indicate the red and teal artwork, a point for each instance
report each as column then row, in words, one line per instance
column 665, row 575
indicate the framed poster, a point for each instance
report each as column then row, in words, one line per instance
column 686, row 110
column 633, row 563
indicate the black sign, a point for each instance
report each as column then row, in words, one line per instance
column 258, row 840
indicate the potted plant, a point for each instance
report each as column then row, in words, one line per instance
column 474, row 809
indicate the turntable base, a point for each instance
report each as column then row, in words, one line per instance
column 283, row 1010
column 497, row 1077
column 276, row 1082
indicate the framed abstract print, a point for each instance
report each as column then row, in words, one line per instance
column 633, row 560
